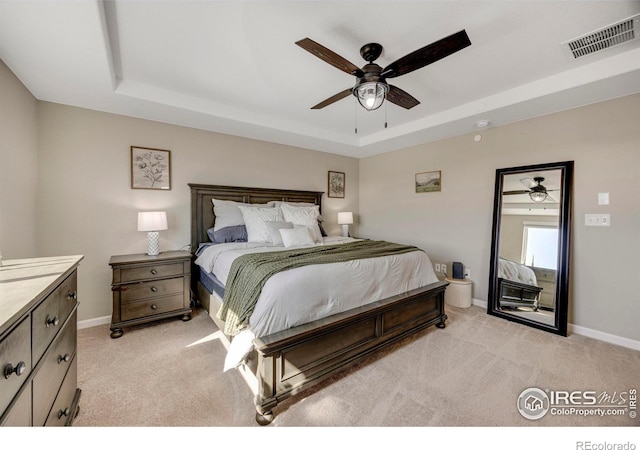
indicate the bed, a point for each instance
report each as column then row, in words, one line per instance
column 517, row 285
column 279, row 363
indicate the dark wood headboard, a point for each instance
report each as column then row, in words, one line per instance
column 202, row 217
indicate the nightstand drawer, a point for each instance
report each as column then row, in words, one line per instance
column 136, row 310
column 151, row 289
column 151, row 272
column 15, row 351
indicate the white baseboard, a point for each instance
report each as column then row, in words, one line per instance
column 588, row 332
column 606, row 337
column 105, row 320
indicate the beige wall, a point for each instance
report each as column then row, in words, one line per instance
column 18, row 167
column 455, row 224
column 86, row 204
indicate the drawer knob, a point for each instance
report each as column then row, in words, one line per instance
column 154, row 306
column 53, row 321
column 63, row 412
column 154, row 289
column 18, row 370
column 154, row 272
column 64, row 358
column 73, row 295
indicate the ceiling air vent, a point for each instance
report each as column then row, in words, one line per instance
column 604, row 38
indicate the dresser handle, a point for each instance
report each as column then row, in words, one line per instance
column 154, row 289
column 119, row 288
column 63, row 412
column 18, row 370
column 154, row 306
column 64, row 358
column 72, row 295
column 53, row 321
column 154, row 272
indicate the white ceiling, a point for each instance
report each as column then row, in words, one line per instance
column 233, row 67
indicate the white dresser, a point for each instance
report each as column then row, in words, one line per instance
column 38, row 336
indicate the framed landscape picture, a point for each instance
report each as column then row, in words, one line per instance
column 150, row 168
column 336, row 184
column 428, row 181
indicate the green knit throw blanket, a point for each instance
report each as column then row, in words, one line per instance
column 249, row 273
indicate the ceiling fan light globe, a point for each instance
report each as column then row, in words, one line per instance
column 371, row 94
column 538, row 196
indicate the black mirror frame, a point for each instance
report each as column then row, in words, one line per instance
column 564, row 248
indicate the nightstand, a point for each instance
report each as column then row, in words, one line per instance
column 147, row 288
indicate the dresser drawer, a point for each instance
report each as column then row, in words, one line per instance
column 20, row 414
column 15, row 351
column 54, row 366
column 51, row 314
column 150, row 307
column 150, row 272
column 151, row 289
column 64, row 410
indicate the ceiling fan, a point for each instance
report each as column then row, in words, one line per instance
column 371, row 86
column 536, row 191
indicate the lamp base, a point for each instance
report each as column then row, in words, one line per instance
column 345, row 230
column 154, row 243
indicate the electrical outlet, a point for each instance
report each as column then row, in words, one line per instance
column 467, row 273
column 444, row 268
column 438, row 267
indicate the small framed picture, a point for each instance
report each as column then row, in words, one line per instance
column 428, row 181
column 336, row 184
column 150, row 168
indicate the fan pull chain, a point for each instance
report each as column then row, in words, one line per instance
column 355, row 112
column 385, row 115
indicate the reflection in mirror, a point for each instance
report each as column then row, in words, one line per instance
column 530, row 246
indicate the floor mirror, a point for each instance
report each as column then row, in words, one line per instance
column 530, row 247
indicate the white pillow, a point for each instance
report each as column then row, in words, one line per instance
column 303, row 215
column 296, row 237
column 274, row 230
column 316, row 234
column 227, row 214
column 254, row 220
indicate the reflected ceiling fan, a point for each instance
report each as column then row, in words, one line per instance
column 536, row 191
column 371, row 86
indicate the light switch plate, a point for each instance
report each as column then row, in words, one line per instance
column 597, row 220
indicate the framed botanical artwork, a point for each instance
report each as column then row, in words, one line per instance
column 428, row 181
column 150, row 168
column 336, row 184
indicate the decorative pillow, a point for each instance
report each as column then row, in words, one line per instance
column 296, row 237
column 228, row 213
column 254, row 220
column 303, row 215
column 314, row 230
column 274, row 230
column 235, row 233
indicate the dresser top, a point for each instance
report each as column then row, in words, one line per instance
column 144, row 258
column 23, row 282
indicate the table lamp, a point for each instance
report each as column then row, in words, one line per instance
column 345, row 219
column 152, row 222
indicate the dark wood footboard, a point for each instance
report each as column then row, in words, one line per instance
column 298, row 358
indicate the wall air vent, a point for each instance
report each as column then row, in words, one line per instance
column 604, row 38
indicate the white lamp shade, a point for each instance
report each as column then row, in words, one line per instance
column 345, row 218
column 152, row 221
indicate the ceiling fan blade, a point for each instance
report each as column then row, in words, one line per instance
column 335, row 98
column 401, row 98
column 528, row 182
column 515, row 192
column 427, row 55
column 329, row 56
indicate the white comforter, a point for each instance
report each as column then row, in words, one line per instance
column 308, row 293
column 513, row 271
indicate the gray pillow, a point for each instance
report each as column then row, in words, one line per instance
column 274, row 230
column 235, row 233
